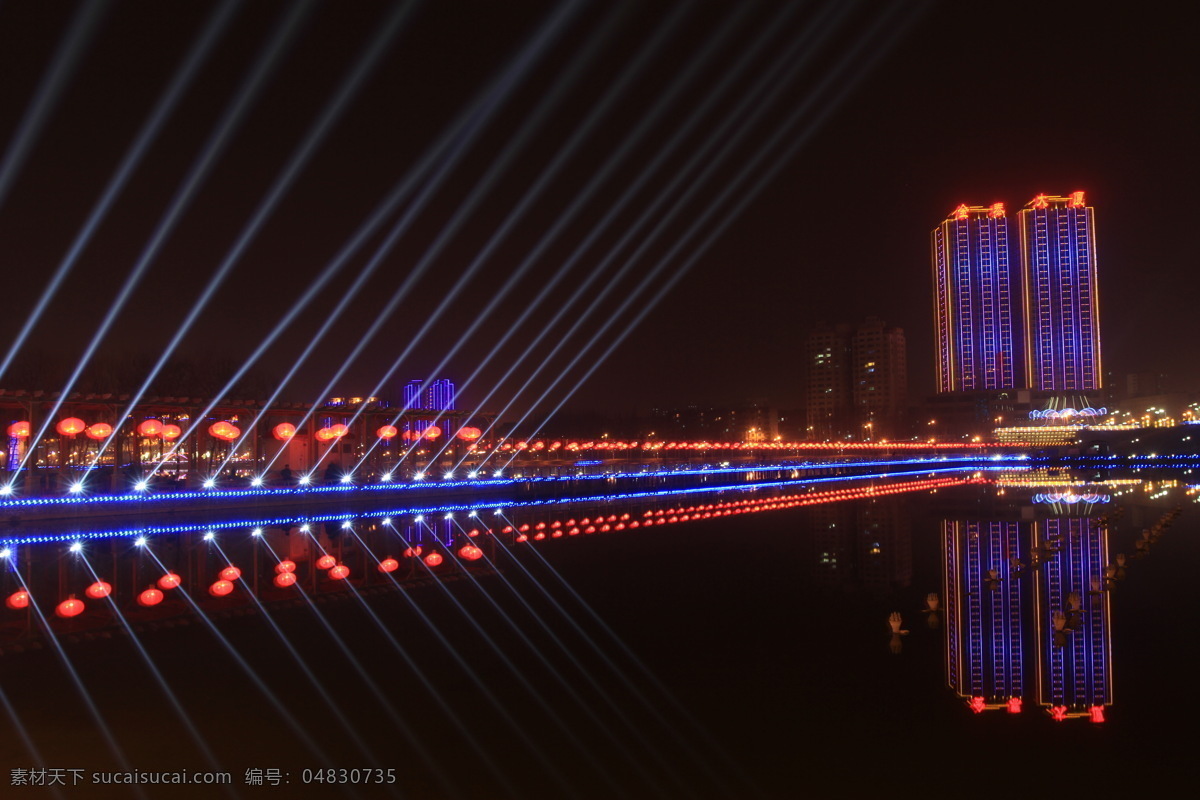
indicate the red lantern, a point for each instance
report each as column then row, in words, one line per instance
column 150, row 597
column 19, row 430
column 170, row 432
column 150, row 427
column 69, row 607
column 433, row 559
column 324, row 434
column 285, row 579
column 387, row 432
column 224, row 430
column 98, row 590
column 101, row 430
column 220, row 589
column 326, row 562
column 285, row 566
column 470, row 552
column 231, row 573
column 389, row 565
column 340, row 572
column 18, row 600
column 412, row 552
column 70, row 426
column 432, row 432
column 284, row 431
column 469, row 434
column 169, row 581
column 339, row 430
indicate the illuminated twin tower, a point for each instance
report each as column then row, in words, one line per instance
column 1017, row 320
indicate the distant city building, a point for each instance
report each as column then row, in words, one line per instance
column 1062, row 322
column 1016, row 330
column 879, row 375
column 437, row 396
column 752, row 423
column 856, row 381
column 827, row 389
column 977, row 344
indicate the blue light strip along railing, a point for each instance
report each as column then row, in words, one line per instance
column 401, row 511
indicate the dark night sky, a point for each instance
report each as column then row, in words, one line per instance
column 971, row 103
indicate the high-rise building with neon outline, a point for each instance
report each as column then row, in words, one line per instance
column 978, row 345
column 1061, row 313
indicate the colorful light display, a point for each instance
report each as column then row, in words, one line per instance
column 973, row 301
column 1062, row 324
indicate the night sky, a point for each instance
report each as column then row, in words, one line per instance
column 897, row 120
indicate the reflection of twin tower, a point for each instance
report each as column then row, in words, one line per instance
column 1017, row 310
column 1043, row 635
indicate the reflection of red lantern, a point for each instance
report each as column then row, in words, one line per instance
column 231, row 573
column 432, row 432
column 101, row 430
column 389, row 565
column 220, row 589
column 98, row 590
column 19, row 430
column 18, row 600
column 285, row 566
column 150, row 597
column 69, row 608
column 169, row 581
column 150, row 427
column 340, row 572
column 387, row 432
column 170, row 432
column 285, row 579
column 70, row 426
column 224, row 430
column 469, row 434
column 470, row 552
column 284, row 431
column 433, row 559
column 326, row 562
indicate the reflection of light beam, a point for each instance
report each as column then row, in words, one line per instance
column 213, row 148
column 180, row 712
column 834, row 81
column 183, row 77
column 345, row 92
column 9, row 709
column 578, row 669
column 547, row 764
column 437, row 696
column 303, row 665
column 463, row 131
column 643, row 701
column 101, row 725
column 270, row 696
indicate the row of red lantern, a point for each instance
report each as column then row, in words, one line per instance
column 604, row 524
column 153, row 428
column 285, row 576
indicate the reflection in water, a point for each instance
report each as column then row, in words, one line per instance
column 1026, row 603
column 231, row 568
